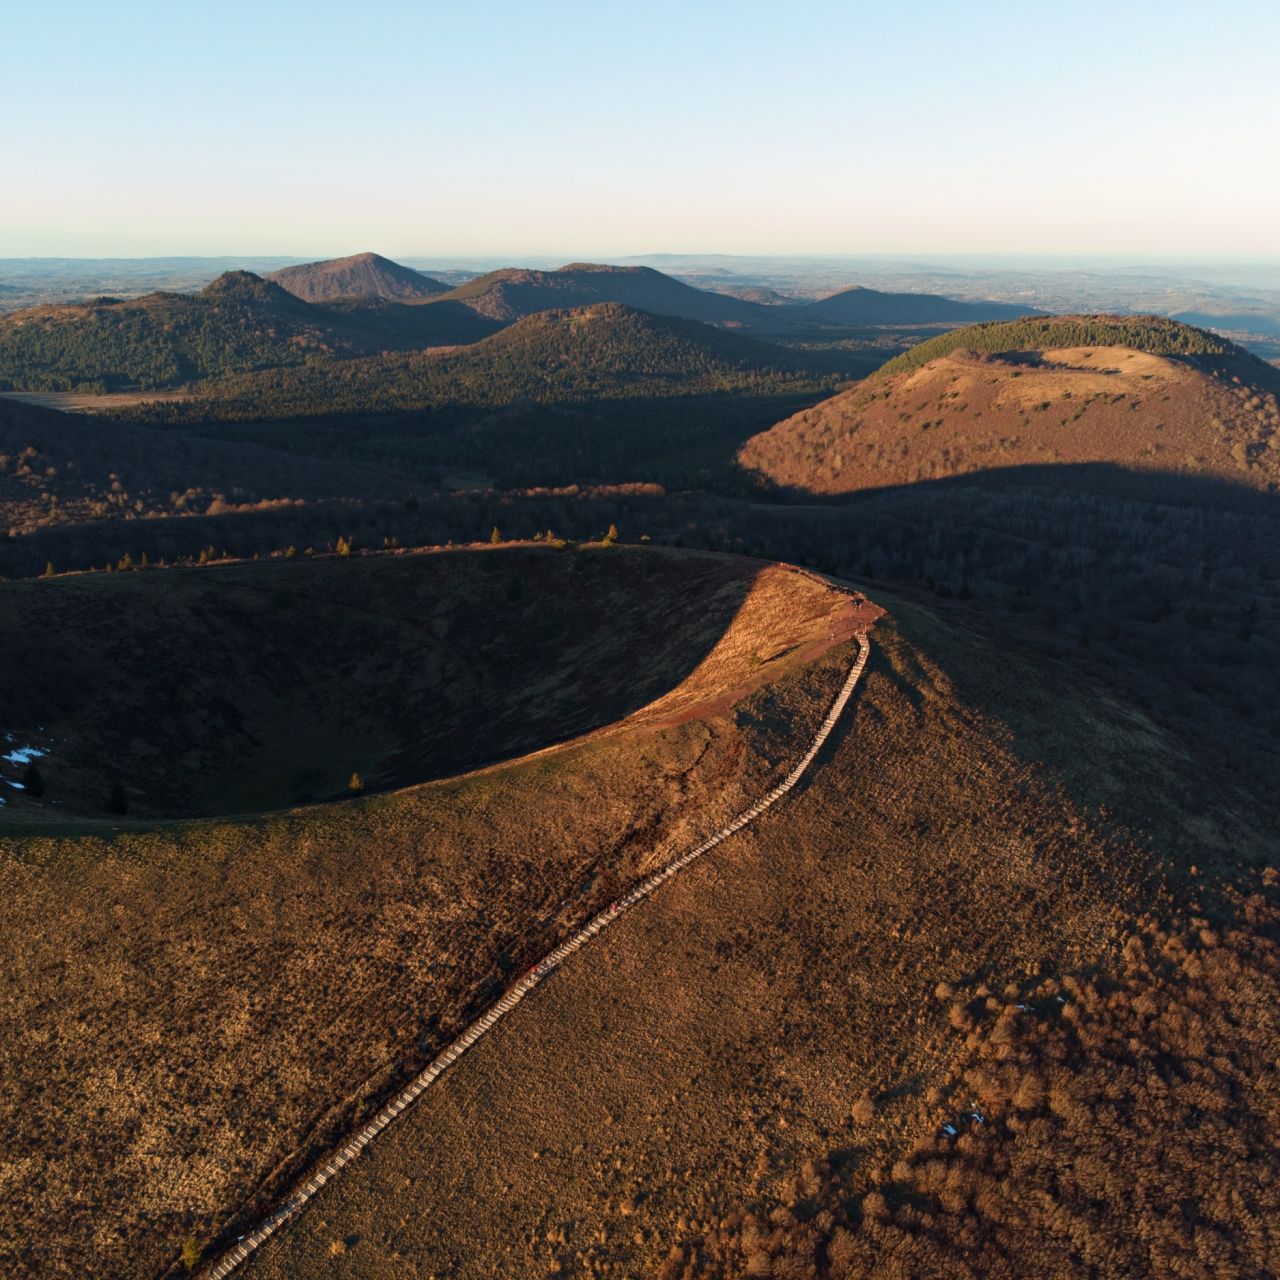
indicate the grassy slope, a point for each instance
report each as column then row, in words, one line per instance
column 1152, row 334
column 723, row 1036
column 1138, row 392
column 192, row 1006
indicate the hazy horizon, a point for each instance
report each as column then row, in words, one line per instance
column 558, row 130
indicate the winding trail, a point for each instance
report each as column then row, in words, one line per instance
column 294, row 1205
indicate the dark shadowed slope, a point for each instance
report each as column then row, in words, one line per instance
column 1138, row 392
column 59, row 470
column 363, row 275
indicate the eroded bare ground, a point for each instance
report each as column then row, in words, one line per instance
column 194, row 1011
column 777, row 1001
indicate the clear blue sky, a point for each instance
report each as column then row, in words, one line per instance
column 598, row 129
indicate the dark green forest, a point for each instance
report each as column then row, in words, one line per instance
column 238, row 324
column 1152, row 334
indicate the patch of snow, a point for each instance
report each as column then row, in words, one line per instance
column 24, row 755
column 950, row 1130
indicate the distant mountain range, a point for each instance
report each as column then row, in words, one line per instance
column 861, row 306
column 367, row 304
column 514, row 292
column 363, row 275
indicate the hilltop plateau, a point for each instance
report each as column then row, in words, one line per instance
column 363, row 275
column 1140, row 393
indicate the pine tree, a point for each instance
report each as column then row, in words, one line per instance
column 33, row 780
column 356, row 784
column 495, row 537
column 48, row 569
column 612, row 536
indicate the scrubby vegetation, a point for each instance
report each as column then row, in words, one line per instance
column 1149, row 395
column 778, row 1003
column 68, row 472
column 1153, row 334
column 1118, row 1122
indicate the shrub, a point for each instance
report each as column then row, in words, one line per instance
column 192, row 1254
column 356, row 783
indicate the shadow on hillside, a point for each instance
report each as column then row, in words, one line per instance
column 676, row 440
column 249, row 687
column 1090, row 479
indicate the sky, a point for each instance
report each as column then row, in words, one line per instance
column 597, row 130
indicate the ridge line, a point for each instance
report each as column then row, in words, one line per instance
column 512, row 997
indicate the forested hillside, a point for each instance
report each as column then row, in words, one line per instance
column 237, row 324
column 513, row 292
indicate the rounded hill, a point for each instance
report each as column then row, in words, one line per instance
column 513, row 292
column 362, row 275
column 1138, row 393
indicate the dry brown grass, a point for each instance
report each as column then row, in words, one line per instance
column 194, row 1010
column 776, row 1002
column 964, row 413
